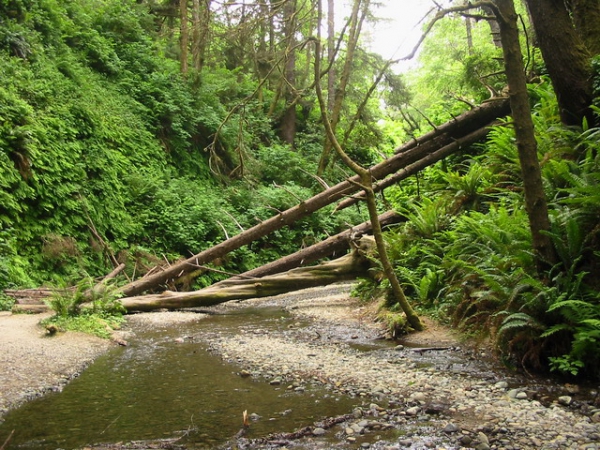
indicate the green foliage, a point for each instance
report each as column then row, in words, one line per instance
column 469, row 189
column 13, row 267
column 596, row 80
column 427, row 217
column 453, row 75
column 465, row 251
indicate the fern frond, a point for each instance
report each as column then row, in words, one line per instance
column 555, row 329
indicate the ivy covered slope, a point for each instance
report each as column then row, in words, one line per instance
column 102, row 149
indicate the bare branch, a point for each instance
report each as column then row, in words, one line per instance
column 443, row 13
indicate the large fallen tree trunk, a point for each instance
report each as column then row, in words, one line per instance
column 405, row 155
column 32, row 300
column 437, row 155
column 347, row 267
column 337, row 244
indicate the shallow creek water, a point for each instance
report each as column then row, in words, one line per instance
column 158, row 388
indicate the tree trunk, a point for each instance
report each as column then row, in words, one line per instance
column 567, row 59
column 331, row 246
column 347, row 267
column 406, row 155
column 535, row 199
column 201, row 25
column 288, row 121
column 330, row 55
column 586, row 16
column 359, row 12
column 366, row 183
column 494, row 27
column 456, row 145
column 184, row 36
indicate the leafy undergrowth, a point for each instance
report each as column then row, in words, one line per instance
column 88, row 309
column 465, row 254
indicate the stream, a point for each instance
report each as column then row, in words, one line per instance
column 168, row 389
column 162, row 386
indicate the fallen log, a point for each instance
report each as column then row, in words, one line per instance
column 116, row 271
column 30, row 308
column 336, row 244
column 347, row 267
column 437, row 155
column 405, row 155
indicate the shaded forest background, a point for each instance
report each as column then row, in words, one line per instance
column 144, row 132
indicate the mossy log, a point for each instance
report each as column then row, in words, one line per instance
column 347, row 267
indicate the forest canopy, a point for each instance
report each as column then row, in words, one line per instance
column 139, row 132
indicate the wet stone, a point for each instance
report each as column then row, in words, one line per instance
column 565, row 400
column 450, row 428
column 319, row 431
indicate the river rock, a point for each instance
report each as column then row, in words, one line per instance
column 450, row 428
column 319, row 431
column 418, row 397
column 413, row 411
column 565, row 400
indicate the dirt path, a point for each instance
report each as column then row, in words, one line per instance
column 32, row 363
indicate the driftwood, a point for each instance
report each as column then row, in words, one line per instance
column 347, row 267
column 116, row 271
column 406, row 155
column 32, row 300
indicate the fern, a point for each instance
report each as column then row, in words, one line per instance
column 518, row 321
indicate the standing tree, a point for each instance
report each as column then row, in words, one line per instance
column 535, row 199
column 200, row 32
column 288, row 120
column 184, row 36
column 567, row 58
column 358, row 15
column 586, row 17
column 366, row 184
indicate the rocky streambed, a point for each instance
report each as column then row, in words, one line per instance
column 430, row 392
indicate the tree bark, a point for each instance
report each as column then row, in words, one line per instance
column 494, row 27
column 586, row 16
column 184, row 37
column 405, row 155
column 201, row 25
column 457, row 145
column 567, row 59
column 330, row 246
column 330, row 55
column 535, row 199
column 288, row 120
column 359, row 12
